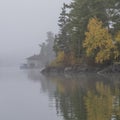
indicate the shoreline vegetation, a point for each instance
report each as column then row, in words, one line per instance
column 88, row 39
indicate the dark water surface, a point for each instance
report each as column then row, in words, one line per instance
column 28, row 95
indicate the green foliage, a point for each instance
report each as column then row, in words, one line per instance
column 117, row 44
column 73, row 22
column 62, row 41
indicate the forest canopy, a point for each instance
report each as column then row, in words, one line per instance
column 89, row 32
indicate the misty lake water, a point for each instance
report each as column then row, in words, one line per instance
column 28, row 95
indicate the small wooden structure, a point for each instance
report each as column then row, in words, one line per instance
column 34, row 61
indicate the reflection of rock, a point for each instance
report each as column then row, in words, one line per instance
column 83, row 81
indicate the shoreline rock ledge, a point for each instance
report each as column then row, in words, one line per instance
column 115, row 68
column 70, row 69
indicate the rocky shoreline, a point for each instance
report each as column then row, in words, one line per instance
column 70, row 69
column 115, row 68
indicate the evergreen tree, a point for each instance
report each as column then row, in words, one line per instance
column 62, row 40
column 74, row 19
column 47, row 54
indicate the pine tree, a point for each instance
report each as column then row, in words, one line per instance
column 62, row 40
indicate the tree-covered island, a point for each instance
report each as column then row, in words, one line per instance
column 89, row 36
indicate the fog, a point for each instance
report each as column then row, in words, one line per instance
column 23, row 25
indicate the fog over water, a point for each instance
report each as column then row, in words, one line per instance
column 23, row 25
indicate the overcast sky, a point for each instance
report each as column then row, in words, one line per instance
column 23, row 25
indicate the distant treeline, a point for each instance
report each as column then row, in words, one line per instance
column 89, row 33
column 47, row 55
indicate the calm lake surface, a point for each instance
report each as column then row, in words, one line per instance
column 28, row 95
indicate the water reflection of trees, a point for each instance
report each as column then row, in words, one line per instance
column 70, row 102
column 84, row 97
column 100, row 103
column 87, row 98
column 69, row 95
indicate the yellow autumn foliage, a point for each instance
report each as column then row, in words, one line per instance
column 98, row 41
column 117, row 38
column 99, row 107
column 63, row 59
column 59, row 59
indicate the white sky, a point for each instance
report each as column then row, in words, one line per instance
column 23, row 25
